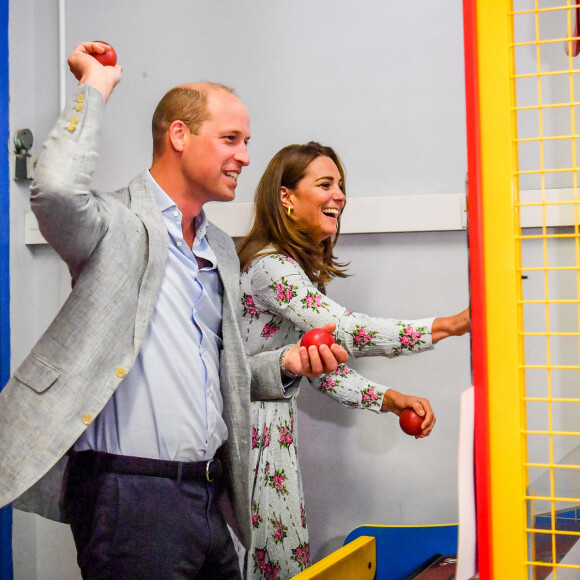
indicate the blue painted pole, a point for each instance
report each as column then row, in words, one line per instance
column 6, row 571
column 6, row 543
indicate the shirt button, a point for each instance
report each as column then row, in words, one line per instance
column 79, row 107
column 87, row 419
column 176, row 213
column 71, row 127
column 121, row 372
column 179, row 244
column 81, row 98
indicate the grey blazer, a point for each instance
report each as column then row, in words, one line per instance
column 115, row 246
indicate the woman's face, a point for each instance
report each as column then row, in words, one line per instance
column 317, row 200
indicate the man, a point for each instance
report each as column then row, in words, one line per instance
column 140, row 389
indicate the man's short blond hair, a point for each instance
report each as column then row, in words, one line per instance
column 187, row 103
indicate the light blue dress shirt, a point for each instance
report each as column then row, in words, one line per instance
column 169, row 405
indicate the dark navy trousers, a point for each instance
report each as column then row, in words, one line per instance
column 139, row 527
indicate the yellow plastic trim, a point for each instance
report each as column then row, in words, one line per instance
column 358, row 559
column 502, row 289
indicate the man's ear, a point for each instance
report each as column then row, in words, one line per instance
column 178, row 134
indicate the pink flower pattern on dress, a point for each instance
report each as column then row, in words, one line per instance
column 283, row 258
column 270, row 329
column 260, row 558
column 371, row 397
column 329, row 384
column 249, row 306
column 278, row 481
column 363, row 337
column 256, row 517
column 285, row 439
column 342, row 371
column 333, row 380
column 255, row 438
column 301, row 555
column 284, row 292
column 280, row 531
column 269, row 569
column 409, row 338
column 313, row 301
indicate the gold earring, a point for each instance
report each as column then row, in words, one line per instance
column 289, row 210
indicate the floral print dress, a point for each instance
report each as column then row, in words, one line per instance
column 279, row 304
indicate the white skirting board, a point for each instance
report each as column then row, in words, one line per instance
column 367, row 215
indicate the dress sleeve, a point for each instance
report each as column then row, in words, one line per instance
column 280, row 285
column 351, row 389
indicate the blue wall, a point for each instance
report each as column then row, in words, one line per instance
column 6, row 513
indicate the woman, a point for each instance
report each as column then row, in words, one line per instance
column 287, row 260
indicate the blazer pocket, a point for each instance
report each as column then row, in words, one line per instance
column 37, row 374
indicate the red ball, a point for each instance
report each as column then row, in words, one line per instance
column 410, row 422
column 107, row 58
column 317, row 337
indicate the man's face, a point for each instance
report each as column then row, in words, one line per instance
column 213, row 159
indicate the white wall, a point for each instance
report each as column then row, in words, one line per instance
column 360, row 468
column 382, row 82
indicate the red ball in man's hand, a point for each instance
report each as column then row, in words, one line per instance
column 317, row 337
column 107, row 58
column 410, row 422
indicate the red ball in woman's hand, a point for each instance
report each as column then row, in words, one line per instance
column 107, row 58
column 410, row 422
column 317, row 337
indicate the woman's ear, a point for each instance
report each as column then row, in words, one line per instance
column 285, row 197
column 178, row 132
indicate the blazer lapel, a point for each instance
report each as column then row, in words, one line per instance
column 227, row 266
column 142, row 202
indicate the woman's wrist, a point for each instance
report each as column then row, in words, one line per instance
column 456, row 325
column 387, row 404
column 283, row 370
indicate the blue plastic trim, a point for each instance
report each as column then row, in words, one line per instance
column 402, row 549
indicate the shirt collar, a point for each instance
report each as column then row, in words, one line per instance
column 166, row 204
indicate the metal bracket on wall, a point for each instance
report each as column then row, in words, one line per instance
column 23, row 160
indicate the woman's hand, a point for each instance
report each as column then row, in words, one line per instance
column 313, row 362
column 456, row 325
column 396, row 402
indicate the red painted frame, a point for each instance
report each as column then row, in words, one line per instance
column 477, row 289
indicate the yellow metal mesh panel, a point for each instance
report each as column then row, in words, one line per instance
column 546, row 117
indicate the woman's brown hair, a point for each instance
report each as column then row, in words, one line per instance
column 274, row 231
